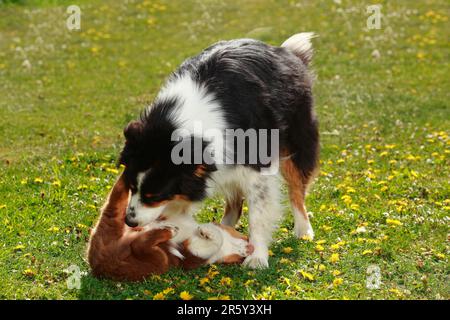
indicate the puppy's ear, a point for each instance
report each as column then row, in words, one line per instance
column 133, row 131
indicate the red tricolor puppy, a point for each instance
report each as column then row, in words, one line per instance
column 119, row 252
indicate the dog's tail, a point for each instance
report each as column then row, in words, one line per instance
column 300, row 44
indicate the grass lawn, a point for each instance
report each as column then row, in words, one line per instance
column 382, row 198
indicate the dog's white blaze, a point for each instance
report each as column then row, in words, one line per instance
column 144, row 215
column 197, row 104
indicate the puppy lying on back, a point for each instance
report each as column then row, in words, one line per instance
column 119, row 252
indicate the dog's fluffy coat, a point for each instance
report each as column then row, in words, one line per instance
column 239, row 84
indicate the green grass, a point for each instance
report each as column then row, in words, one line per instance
column 384, row 135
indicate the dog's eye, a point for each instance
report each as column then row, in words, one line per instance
column 154, row 198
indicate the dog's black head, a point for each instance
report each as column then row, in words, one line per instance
column 157, row 181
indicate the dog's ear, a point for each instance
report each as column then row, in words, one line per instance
column 133, row 131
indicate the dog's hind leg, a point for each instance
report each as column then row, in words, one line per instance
column 297, row 184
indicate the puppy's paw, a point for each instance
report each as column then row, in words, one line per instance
column 209, row 232
column 243, row 248
column 170, row 227
column 257, row 261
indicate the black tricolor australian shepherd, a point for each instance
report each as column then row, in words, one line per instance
column 232, row 86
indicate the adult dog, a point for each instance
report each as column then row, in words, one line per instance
column 240, row 86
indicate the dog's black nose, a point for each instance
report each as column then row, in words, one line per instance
column 131, row 212
column 129, row 221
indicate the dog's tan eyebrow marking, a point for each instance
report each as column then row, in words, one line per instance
column 156, row 204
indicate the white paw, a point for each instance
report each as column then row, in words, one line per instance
column 304, row 229
column 173, row 228
column 243, row 248
column 209, row 232
column 257, row 261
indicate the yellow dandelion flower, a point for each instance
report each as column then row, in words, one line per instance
column 284, row 261
column 270, row 253
column 440, row 255
column 249, row 282
column 336, row 273
column 38, row 180
column 319, row 248
column 334, row 258
column 29, row 273
column 393, row 222
column 306, row 237
column 53, row 229
column 287, row 250
column 212, row 272
column 168, row 290
column 384, row 153
column 95, row 50
column 185, row 295
column 112, row 170
column 395, row 291
column 347, row 199
column 307, row 275
column 19, row 247
column 203, row 281
column 159, row 296
column 226, row 281
column 322, row 267
column 420, row 55
column 24, row 181
column 56, row 183
column 366, row 252
column 321, row 241
column 2, row 206
column 351, row 190
column 337, row 282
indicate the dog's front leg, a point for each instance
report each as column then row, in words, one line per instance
column 264, row 213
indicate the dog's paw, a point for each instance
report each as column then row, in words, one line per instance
column 172, row 228
column 209, row 232
column 303, row 230
column 256, row 261
column 243, row 248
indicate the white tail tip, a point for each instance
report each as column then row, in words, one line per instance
column 300, row 44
